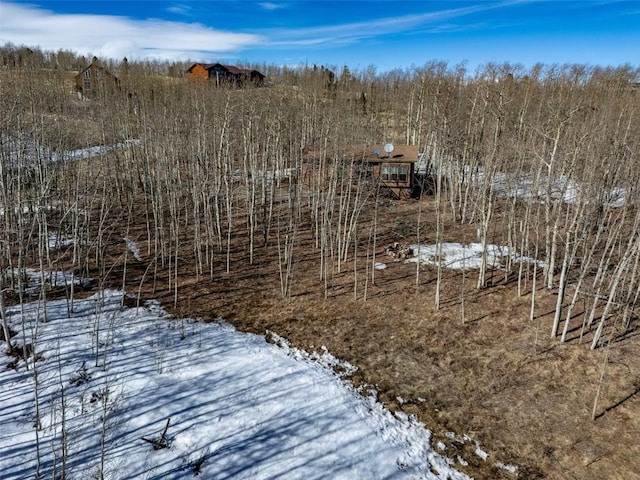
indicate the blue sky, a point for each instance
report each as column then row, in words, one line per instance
column 385, row 34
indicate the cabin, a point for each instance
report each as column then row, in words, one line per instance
column 224, row 74
column 393, row 167
column 95, row 80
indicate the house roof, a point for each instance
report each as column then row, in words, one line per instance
column 368, row 153
column 229, row 68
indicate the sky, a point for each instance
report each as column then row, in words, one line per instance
column 359, row 34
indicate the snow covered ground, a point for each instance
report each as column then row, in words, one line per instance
column 458, row 256
column 526, row 187
column 238, row 407
column 34, row 154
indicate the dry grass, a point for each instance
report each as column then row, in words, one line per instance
column 496, row 377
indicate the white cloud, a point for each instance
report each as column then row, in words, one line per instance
column 116, row 36
column 119, row 36
column 179, row 9
column 271, row 6
column 353, row 32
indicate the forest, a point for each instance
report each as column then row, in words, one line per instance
column 533, row 352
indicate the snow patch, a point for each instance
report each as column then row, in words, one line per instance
column 56, row 278
column 26, row 150
column 481, row 453
column 57, row 242
column 239, row 407
column 132, row 246
column 459, row 256
column 507, row 467
column 562, row 188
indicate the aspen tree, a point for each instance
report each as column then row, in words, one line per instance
column 439, row 173
column 633, row 249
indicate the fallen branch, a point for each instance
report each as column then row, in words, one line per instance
column 162, row 441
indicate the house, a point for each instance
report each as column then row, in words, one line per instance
column 225, row 74
column 95, row 80
column 393, row 166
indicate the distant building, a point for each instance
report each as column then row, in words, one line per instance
column 225, row 74
column 94, row 80
column 395, row 170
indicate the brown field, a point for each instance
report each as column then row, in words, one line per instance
column 497, row 377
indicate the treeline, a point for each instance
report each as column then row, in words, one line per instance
column 543, row 160
column 14, row 57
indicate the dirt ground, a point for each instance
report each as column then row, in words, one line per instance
column 490, row 377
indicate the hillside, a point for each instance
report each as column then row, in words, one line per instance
column 526, row 350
